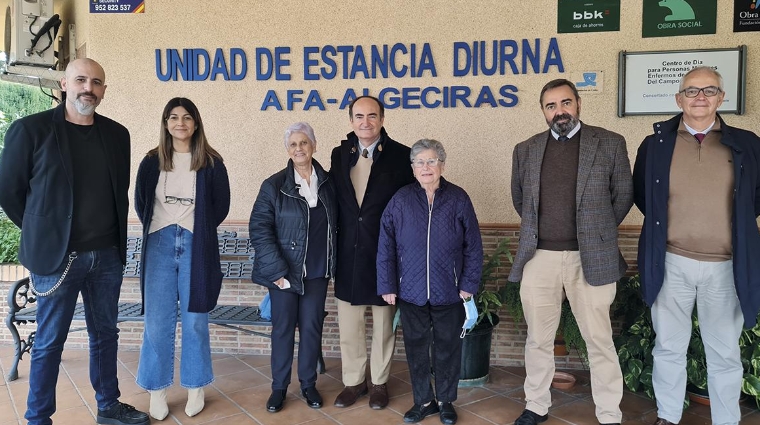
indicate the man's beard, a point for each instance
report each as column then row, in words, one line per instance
column 84, row 108
column 562, row 128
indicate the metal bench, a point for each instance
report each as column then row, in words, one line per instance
column 237, row 256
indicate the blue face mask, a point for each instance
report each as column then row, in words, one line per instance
column 471, row 315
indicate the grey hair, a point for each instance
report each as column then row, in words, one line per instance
column 707, row 69
column 300, row 127
column 425, row 144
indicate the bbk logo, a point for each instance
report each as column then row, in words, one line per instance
column 586, row 15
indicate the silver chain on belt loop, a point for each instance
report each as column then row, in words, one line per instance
column 72, row 257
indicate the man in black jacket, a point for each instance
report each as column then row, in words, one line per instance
column 368, row 168
column 64, row 175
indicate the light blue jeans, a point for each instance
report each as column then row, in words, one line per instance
column 167, row 256
column 711, row 285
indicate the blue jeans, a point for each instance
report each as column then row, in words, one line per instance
column 97, row 275
column 167, row 256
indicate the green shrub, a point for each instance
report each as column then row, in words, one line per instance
column 9, row 240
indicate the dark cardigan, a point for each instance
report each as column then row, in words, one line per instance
column 212, row 203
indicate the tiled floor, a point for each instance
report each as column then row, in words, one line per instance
column 241, row 389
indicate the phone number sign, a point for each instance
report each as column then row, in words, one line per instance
column 117, row 6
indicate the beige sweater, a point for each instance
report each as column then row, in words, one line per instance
column 699, row 205
column 180, row 183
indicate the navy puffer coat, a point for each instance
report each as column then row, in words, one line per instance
column 428, row 254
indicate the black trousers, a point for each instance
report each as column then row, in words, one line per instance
column 307, row 313
column 440, row 325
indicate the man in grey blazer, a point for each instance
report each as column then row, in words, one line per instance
column 572, row 187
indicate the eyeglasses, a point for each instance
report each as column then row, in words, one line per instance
column 429, row 162
column 183, row 201
column 709, row 91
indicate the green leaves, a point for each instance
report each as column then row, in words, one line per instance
column 749, row 343
column 636, row 340
column 18, row 101
column 10, row 236
column 489, row 301
column 751, row 385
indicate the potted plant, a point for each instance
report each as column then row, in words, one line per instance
column 636, row 339
column 749, row 343
column 476, row 347
column 696, row 364
column 10, row 235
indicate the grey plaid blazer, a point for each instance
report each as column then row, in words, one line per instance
column 603, row 196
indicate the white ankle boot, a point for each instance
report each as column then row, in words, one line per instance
column 158, row 407
column 195, row 401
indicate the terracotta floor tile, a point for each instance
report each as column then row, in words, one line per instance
column 559, row 398
column 466, row 396
column 295, row 411
column 239, row 419
column 502, row 381
column 242, row 386
column 399, row 366
column 367, row 416
column 228, row 365
column 71, row 354
column 466, row 417
column 322, row 421
column 239, row 381
column 397, row 387
column 129, row 356
column 258, row 361
column 497, row 409
column 577, row 412
column 636, row 407
column 216, row 408
column 253, row 398
column 74, row 416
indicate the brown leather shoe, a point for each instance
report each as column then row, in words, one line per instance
column 378, row 396
column 661, row 421
column 349, row 395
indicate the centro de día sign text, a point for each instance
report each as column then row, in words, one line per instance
column 347, row 62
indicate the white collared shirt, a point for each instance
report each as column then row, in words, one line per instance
column 308, row 191
column 370, row 149
column 693, row 132
column 570, row 135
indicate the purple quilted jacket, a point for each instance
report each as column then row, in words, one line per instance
column 428, row 254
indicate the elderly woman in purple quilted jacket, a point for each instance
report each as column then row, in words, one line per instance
column 429, row 259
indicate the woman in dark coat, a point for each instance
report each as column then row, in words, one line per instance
column 429, row 259
column 182, row 195
column 292, row 229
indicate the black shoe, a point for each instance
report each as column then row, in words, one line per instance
column 418, row 412
column 122, row 414
column 313, row 399
column 616, row 423
column 448, row 414
column 530, row 418
column 276, row 401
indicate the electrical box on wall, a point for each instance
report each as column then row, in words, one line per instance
column 33, row 29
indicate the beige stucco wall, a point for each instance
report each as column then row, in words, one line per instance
column 479, row 140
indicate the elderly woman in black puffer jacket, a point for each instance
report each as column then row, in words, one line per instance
column 292, row 229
